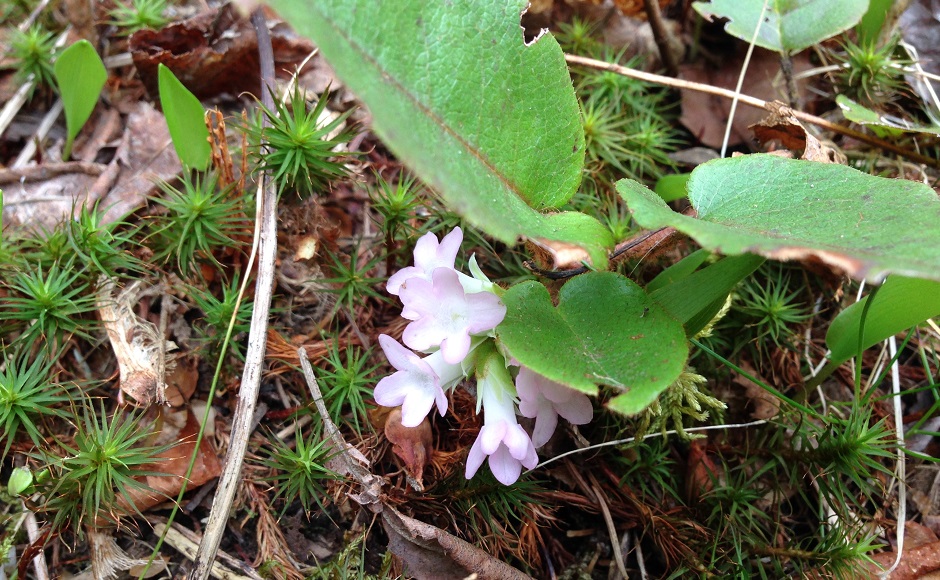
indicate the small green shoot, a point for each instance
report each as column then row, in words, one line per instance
column 200, row 219
column 300, row 473
column 347, row 384
column 217, row 312
column 185, row 118
column 871, row 75
column 353, row 285
column 27, row 393
column 139, row 15
column 772, row 307
column 397, row 205
column 50, row 303
column 101, row 466
column 297, row 147
column 101, row 245
column 33, row 53
column 81, row 76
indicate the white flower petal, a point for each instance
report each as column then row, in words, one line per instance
column 395, row 281
column 517, row 441
column 398, row 356
column 545, row 423
column 392, row 390
column 416, row 406
column 491, row 436
column 475, row 458
column 504, row 466
column 422, row 334
column 578, row 410
column 455, row 348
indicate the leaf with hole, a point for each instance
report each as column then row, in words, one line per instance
column 788, row 25
column 605, row 331
column 185, row 118
column 788, row 209
column 489, row 122
column 80, row 75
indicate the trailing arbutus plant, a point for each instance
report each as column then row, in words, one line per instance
column 504, row 148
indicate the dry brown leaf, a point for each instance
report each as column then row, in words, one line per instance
column 706, row 115
column 413, row 445
column 213, row 52
column 781, row 125
column 144, row 158
column 181, row 380
column 181, row 426
column 921, row 555
column 136, row 343
column 430, row 553
column 41, row 196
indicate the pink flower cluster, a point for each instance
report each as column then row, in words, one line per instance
column 453, row 316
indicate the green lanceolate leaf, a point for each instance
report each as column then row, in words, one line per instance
column 899, row 304
column 80, row 75
column 880, row 124
column 185, row 118
column 790, row 209
column 605, row 331
column 490, row 123
column 788, row 25
column 695, row 299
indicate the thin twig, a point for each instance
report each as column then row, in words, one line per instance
column 611, row 529
column 751, row 101
column 257, row 337
column 649, row 436
column 901, row 473
column 48, row 121
column 661, row 36
column 737, row 88
column 16, row 102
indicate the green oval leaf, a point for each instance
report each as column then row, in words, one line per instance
column 788, row 25
column 899, row 304
column 185, row 118
column 80, row 75
column 880, row 124
column 490, row 123
column 792, row 209
column 605, row 331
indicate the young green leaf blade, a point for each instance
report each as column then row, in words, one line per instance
column 605, row 331
column 185, row 118
column 695, row 299
column 488, row 122
column 899, row 304
column 80, row 75
column 788, row 26
column 788, row 209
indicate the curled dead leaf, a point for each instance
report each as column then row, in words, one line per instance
column 413, row 445
column 136, row 343
column 431, row 553
column 781, row 125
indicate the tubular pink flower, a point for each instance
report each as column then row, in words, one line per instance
column 444, row 315
column 501, row 438
column 419, row 383
column 429, row 256
column 544, row 400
